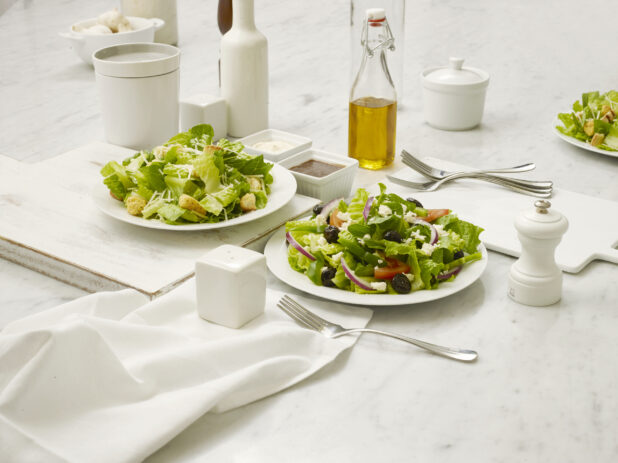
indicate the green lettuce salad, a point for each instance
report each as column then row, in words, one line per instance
column 593, row 120
column 190, row 180
column 381, row 244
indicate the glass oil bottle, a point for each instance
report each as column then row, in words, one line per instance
column 373, row 99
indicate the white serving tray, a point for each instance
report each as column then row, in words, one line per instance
column 593, row 222
column 49, row 223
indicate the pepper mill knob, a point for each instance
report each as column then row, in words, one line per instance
column 535, row 279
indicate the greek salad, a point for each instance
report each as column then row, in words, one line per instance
column 381, row 244
column 190, row 180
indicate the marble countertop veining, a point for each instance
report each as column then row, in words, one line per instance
column 546, row 385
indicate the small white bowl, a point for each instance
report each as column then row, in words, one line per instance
column 85, row 45
column 454, row 96
column 331, row 186
column 298, row 143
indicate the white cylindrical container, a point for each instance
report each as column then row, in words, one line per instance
column 244, row 73
column 535, row 279
column 454, row 96
column 164, row 9
column 138, row 87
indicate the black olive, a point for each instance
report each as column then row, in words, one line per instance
column 401, row 284
column 392, row 235
column 328, row 273
column 318, row 208
column 415, row 201
column 331, row 233
column 458, row 255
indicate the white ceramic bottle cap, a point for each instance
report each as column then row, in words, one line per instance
column 456, row 74
column 136, row 60
column 375, row 14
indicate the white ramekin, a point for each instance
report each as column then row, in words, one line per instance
column 335, row 185
column 85, row 45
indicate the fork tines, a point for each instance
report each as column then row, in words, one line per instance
column 301, row 314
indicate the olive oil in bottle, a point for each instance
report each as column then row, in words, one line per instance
column 372, row 130
column 373, row 100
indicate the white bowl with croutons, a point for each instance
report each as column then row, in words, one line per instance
column 90, row 35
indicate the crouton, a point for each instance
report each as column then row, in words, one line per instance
column 247, row 202
column 192, row 204
column 212, row 148
column 589, row 127
column 597, row 139
column 135, row 204
column 254, row 183
column 607, row 114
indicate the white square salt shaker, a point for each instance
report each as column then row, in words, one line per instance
column 230, row 285
column 204, row 109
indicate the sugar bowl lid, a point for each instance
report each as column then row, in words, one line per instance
column 455, row 76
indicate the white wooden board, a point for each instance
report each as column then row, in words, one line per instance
column 48, row 222
column 593, row 222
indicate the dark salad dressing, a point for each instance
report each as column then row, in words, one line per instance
column 316, row 168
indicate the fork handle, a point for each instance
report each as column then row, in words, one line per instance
column 463, row 355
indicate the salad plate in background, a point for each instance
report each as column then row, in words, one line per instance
column 380, row 251
column 592, row 124
column 190, row 184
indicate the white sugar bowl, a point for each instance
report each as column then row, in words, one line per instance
column 454, row 96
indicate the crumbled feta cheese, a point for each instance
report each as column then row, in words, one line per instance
column 408, row 241
column 337, row 257
column 440, row 230
column 367, row 237
column 320, row 220
column 344, row 226
column 417, row 235
column 409, row 216
column 380, row 261
column 322, row 241
column 409, row 276
column 378, row 285
column 384, row 211
column 344, row 216
column 428, row 249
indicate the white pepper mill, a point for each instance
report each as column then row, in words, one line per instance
column 535, row 279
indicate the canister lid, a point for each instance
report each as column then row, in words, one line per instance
column 455, row 75
column 136, row 60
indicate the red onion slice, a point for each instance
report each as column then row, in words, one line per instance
column 300, row 249
column 353, row 278
column 434, row 233
column 329, row 206
column 447, row 275
column 367, row 207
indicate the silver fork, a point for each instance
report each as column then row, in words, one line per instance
column 432, row 185
column 437, row 174
column 541, row 186
column 331, row 330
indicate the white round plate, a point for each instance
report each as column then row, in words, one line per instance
column 277, row 260
column 282, row 191
column 582, row 144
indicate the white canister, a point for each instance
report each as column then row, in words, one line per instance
column 138, row 87
column 164, row 9
column 454, row 96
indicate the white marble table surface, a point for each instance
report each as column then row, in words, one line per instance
column 546, row 385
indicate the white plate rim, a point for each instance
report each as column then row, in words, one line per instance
column 581, row 144
column 277, row 262
column 282, row 191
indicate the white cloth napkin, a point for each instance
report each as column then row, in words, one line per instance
column 112, row 377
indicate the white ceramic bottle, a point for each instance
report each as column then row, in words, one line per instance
column 535, row 279
column 244, row 73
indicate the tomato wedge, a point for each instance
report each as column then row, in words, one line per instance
column 433, row 214
column 394, row 267
column 334, row 218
